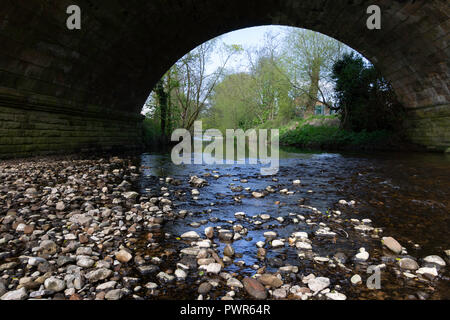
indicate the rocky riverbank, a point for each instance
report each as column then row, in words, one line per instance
column 81, row 229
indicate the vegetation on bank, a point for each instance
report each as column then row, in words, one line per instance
column 324, row 137
column 284, row 87
column 370, row 115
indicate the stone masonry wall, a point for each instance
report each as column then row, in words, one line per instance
column 29, row 131
column 430, row 127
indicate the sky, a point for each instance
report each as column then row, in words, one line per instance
column 249, row 37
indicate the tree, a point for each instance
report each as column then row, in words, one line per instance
column 195, row 85
column 309, row 57
column 233, row 103
column 365, row 99
column 271, row 85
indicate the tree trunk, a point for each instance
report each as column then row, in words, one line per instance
column 313, row 91
column 162, row 101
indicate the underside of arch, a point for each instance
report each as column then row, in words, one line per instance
column 63, row 90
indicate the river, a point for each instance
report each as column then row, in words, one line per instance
column 407, row 195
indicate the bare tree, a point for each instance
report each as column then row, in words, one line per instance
column 195, row 84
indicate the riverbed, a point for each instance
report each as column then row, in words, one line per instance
column 139, row 227
column 405, row 195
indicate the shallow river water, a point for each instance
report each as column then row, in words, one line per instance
column 406, row 195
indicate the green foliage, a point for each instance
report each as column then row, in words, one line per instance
column 152, row 132
column 332, row 137
column 364, row 98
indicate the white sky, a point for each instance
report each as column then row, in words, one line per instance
column 249, row 37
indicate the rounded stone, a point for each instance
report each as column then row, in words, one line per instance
column 254, row 288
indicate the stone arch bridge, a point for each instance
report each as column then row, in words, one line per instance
column 65, row 91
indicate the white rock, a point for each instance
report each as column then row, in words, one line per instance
column 239, row 214
column 270, row 234
column 277, row 243
column 279, row 293
column 85, row 262
column 130, row 195
column 318, row 284
column 204, row 244
column 436, row 260
column 106, row 286
column 151, row 285
column 356, row 279
column 303, row 245
column 428, row 272
column 55, row 284
column 321, row 259
column 234, row 283
column 336, row 296
column 300, row 235
column 190, row 235
column 20, row 294
column 363, row 255
column 260, row 244
column 209, row 232
column 180, row 274
column 212, row 268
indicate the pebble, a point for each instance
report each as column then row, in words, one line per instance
column 336, row 296
column 55, row 284
column 356, row 279
column 277, row 243
column 204, row 288
column 234, row 283
column 270, row 280
column 116, row 294
column 190, row 235
column 20, row 294
column 392, row 244
column 428, row 272
column 435, row 260
column 279, row 293
column 362, row 256
column 123, row 256
column 98, row 274
column 318, row 284
column 228, row 251
column 254, row 288
column 180, row 274
column 408, row 264
column 209, row 232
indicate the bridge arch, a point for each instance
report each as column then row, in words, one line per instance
column 63, row 90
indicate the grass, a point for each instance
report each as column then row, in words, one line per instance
column 324, row 137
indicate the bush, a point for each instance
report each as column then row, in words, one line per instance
column 366, row 101
column 333, row 138
column 152, row 133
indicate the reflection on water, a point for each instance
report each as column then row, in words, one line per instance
column 408, row 195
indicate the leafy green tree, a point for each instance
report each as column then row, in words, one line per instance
column 364, row 98
column 309, row 57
